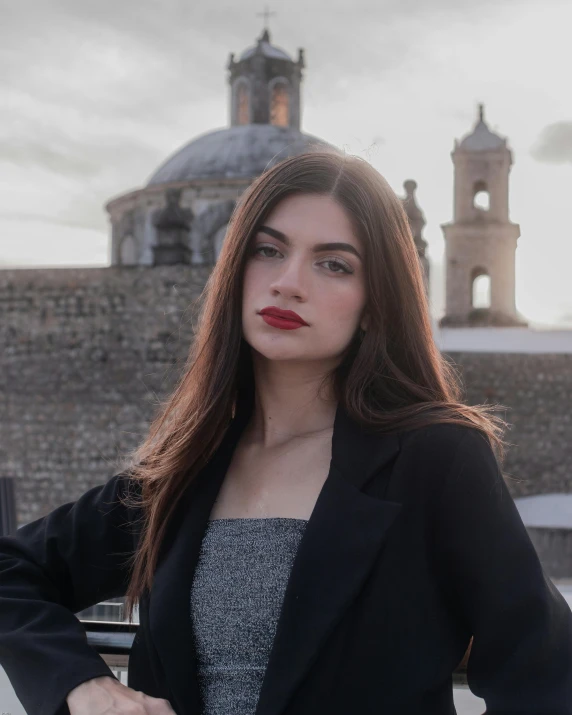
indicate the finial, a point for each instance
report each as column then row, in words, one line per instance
column 266, row 14
column 481, row 112
column 410, row 186
column 414, row 215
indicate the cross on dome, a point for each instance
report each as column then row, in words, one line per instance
column 266, row 14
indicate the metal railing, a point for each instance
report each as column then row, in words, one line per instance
column 113, row 640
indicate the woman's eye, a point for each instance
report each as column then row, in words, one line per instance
column 335, row 265
column 259, row 249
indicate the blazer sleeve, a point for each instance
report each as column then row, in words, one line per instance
column 50, row 569
column 521, row 655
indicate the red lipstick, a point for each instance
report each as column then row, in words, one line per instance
column 284, row 319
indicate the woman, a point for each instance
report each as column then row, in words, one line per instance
column 316, row 522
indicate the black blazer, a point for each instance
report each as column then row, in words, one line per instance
column 414, row 546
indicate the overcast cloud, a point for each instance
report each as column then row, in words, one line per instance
column 554, row 145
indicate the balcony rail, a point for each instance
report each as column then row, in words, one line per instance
column 113, row 640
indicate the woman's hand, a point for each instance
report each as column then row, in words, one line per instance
column 107, row 696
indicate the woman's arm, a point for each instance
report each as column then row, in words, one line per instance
column 521, row 655
column 51, row 569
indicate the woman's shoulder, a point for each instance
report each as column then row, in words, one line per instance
column 437, row 454
column 449, row 438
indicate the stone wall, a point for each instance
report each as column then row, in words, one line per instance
column 87, row 352
column 536, row 390
column 86, row 355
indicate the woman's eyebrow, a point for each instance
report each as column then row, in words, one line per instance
column 335, row 246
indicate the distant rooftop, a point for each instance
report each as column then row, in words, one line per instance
column 503, row 340
column 266, row 48
column 546, row 510
column 481, row 138
column 234, row 153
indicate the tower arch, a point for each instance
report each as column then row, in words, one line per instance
column 241, row 101
column 480, row 288
column 481, row 196
column 280, row 97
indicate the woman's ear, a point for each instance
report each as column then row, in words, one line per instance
column 364, row 322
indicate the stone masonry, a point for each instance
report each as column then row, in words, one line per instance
column 87, row 353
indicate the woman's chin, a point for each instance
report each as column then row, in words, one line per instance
column 277, row 355
column 292, row 357
column 278, row 350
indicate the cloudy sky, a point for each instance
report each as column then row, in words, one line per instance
column 96, row 94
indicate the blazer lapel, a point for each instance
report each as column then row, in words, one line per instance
column 340, row 543
column 343, row 536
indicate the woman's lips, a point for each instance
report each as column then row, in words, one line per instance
column 282, row 323
column 283, row 319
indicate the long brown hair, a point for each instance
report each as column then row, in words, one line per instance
column 392, row 377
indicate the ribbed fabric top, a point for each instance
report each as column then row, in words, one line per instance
column 236, row 596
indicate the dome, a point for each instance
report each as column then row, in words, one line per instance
column 482, row 139
column 239, row 152
column 267, row 50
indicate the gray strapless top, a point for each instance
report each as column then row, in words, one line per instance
column 236, row 596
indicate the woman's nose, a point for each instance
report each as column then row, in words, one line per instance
column 291, row 280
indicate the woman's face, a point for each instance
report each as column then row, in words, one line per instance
column 306, row 258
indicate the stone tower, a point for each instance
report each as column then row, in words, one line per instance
column 480, row 242
column 265, row 85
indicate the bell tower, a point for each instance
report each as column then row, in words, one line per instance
column 480, row 242
column 265, row 85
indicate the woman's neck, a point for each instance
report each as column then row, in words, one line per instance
column 290, row 402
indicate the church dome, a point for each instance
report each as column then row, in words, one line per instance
column 239, row 152
column 265, row 47
column 267, row 50
column 482, row 139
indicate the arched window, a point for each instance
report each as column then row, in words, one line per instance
column 128, row 251
column 481, row 196
column 481, row 288
column 242, row 103
column 280, row 104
